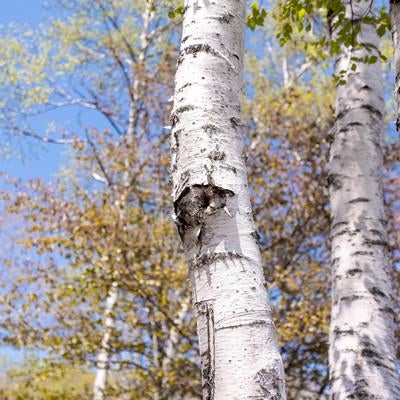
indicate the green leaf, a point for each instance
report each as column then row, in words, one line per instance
column 301, row 13
column 171, row 14
column 381, row 30
column 179, row 10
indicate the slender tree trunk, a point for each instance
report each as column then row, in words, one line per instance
column 362, row 343
column 103, row 358
column 239, row 354
column 395, row 19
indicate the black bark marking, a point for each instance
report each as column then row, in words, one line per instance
column 372, row 110
column 370, row 242
column 225, row 18
column 216, row 155
column 207, row 259
column 184, row 87
column 355, row 123
column 235, row 122
column 343, row 332
column 253, row 323
column 339, row 223
column 372, row 356
column 270, row 382
column 366, row 107
column 175, row 115
column 359, row 200
column 354, row 271
column 388, row 310
column 245, row 157
column 376, row 291
column 195, row 49
column 363, row 253
column 366, row 87
column 174, row 120
column 196, row 202
column 176, row 133
column 376, row 232
column 175, row 147
column 351, row 298
column 205, row 315
column 256, row 236
column 334, row 180
column 341, row 233
column 335, row 260
column 209, row 129
column 350, row 232
column 183, row 109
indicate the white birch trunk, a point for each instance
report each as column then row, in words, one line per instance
column 362, row 344
column 395, row 19
column 173, row 339
column 103, row 358
column 239, row 355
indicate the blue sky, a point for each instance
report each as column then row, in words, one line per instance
column 21, row 11
column 36, row 159
column 30, row 158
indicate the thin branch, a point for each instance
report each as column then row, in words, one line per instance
column 98, row 159
column 45, row 139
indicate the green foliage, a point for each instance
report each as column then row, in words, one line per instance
column 256, row 17
column 175, row 12
column 323, row 24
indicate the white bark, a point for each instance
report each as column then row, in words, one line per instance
column 140, row 67
column 395, row 20
column 103, row 358
column 173, row 338
column 239, row 354
column 362, row 343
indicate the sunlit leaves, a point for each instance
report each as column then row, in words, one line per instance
column 256, row 17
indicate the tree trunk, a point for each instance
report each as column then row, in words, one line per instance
column 362, row 343
column 103, row 358
column 395, row 19
column 239, row 354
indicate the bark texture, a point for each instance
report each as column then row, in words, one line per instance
column 395, row 19
column 239, row 354
column 362, row 342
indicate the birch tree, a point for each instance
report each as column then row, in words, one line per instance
column 362, row 345
column 139, row 64
column 239, row 354
column 395, row 22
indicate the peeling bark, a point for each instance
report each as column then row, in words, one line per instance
column 362, row 344
column 239, row 355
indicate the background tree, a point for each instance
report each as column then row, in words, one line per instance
column 362, row 344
